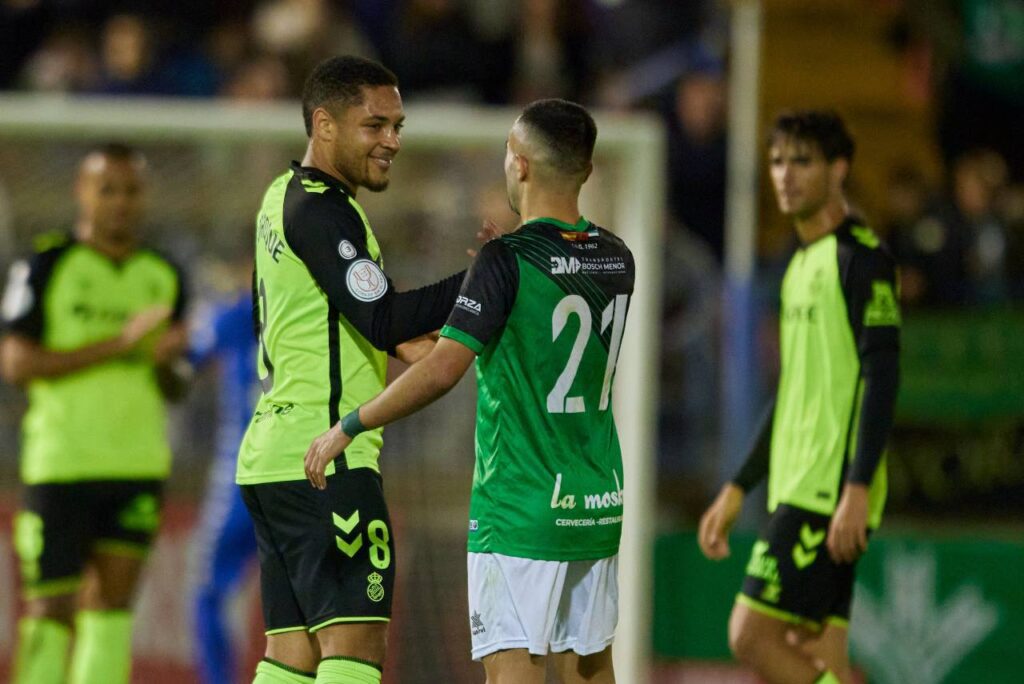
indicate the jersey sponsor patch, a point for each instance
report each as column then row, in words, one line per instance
column 346, row 250
column 18, row 297
column 366, row 281
column 882, row 309
column 467, row 304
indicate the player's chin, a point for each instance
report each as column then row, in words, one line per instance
column 378, row 184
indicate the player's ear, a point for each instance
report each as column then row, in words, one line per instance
column 323, row 124
column 838, row 170
column 522, row 167
column 586, row 173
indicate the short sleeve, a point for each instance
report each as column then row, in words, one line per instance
column 486, row 298
column 22, row 305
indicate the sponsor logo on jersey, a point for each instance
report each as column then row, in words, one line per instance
column 365, row 280
column 474, row 525
column 585, row 264
column 564, row 265
column 468, row 304
column 346, row 250
column 590, row 501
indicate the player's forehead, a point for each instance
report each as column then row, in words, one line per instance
column 793, row 147
column 378, row 102
column 99, row 167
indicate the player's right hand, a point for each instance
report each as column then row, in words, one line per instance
column 717, row 522
column 143, row 323
column 322, row 451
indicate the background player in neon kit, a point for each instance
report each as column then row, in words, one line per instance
column 326, row 311
column 94, row 451
column 551, row 268
column 834, row 408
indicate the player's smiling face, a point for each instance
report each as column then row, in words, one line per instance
column 801, row 176
column 368, row 137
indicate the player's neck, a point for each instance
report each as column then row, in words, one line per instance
column 116, row 250
column 317, row 159
column 822, row 222
column 560, row 206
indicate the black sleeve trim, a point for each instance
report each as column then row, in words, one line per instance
column 755, row 467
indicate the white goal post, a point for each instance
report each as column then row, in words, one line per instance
column 632, row 144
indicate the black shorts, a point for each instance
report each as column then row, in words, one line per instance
column 325, row 556
column 60, row 525
column 791, row 576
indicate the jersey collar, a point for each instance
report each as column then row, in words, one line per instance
column 582, row 225
column 316, row 174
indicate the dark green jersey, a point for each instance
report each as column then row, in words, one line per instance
column 545, row 308
column 839, row 346
column 106, row 421
column 326, row 313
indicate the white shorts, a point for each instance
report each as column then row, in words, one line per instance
column 542, row 605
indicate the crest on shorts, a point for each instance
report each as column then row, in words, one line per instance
column 366, row 281
column 374, row 589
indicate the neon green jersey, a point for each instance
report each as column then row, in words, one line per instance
column 107, row 421
column 326, row 313
column 839, row 328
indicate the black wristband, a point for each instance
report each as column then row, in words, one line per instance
column 351, row 425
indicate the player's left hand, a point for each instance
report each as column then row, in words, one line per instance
column 848, row 533
column 322, row 451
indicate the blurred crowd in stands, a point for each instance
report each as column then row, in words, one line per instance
column 958, row 232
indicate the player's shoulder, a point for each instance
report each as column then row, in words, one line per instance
column 859, row 242
column 48, row 249
column 612, row 240
column 160, row 261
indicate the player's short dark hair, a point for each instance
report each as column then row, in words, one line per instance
column 566, row 129
column 118, row 151
column 824, row 128
column 340, row 80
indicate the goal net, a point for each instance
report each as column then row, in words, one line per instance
column 209, row 164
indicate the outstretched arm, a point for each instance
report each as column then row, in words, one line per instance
column 23, row 358
column 426, row 381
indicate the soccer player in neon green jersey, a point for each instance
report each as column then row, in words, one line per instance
column 327, row 314
column 86, row 333
column 542, row 311
column 823, row 450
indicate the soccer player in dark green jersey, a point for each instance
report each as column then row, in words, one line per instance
column 542, row 311
column 327, row 315
column 86, row 332
column 823, row 449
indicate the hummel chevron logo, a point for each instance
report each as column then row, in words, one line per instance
column 805, row 551
column 346, row 526
column 810, row 538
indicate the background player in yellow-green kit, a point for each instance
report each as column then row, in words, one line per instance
column 823, row 450
column 327, row 314
column 542, row 311
column 86, row 332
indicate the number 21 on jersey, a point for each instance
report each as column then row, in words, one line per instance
column 574, row 305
